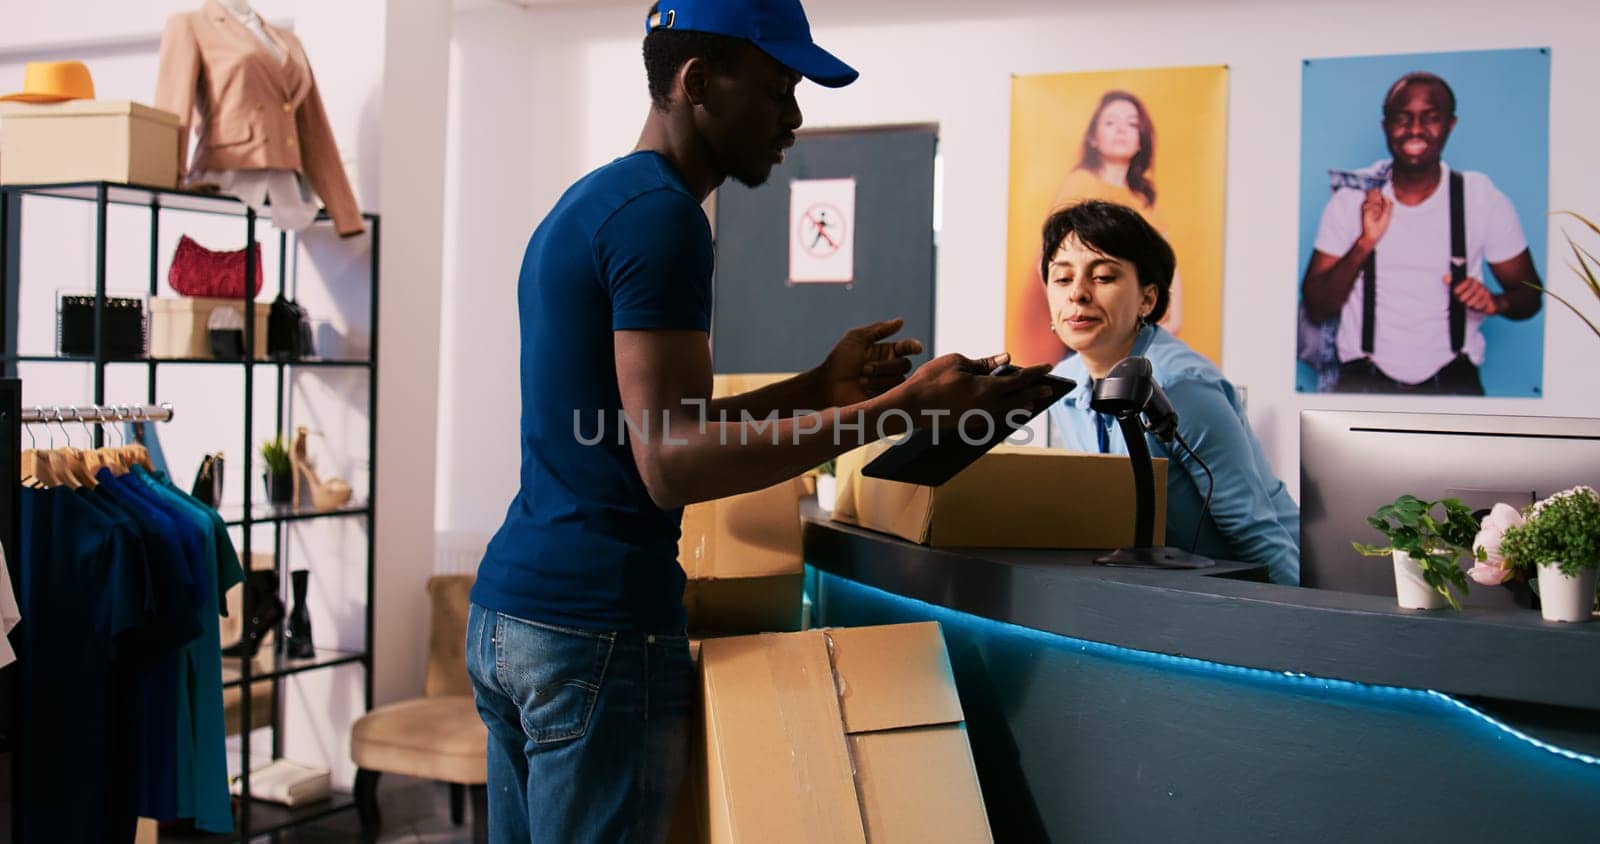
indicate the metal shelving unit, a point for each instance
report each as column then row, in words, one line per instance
column 251, row 818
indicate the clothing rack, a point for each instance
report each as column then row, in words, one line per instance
column 98, row 413
column 13, row 416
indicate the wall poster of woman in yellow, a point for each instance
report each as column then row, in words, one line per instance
column 1154, row 140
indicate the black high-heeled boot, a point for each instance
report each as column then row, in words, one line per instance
column 266, row 611
column 299, row 634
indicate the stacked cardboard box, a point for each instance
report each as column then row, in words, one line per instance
column 823, row 735
column 741, row 555
column 838, row 735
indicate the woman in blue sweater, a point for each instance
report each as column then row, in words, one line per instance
column 1107, row 279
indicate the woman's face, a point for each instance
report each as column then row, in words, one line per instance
column 1116, row 132
column 1095, row 302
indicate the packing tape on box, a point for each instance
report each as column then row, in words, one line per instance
column 804, row 727
column 840, row 688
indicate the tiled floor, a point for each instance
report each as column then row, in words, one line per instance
column 414, row 812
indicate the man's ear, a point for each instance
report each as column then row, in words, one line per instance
column 694, row 79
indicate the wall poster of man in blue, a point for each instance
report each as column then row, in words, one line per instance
column 1424, row 188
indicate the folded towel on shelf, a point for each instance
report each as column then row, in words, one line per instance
column 288, row 782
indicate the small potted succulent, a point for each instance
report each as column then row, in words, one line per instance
column 1427, row 549
column 278, row 477
column 1559, row 538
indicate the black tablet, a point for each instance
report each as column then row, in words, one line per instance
column 931, row 456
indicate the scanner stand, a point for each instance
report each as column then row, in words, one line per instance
column 1141, row 554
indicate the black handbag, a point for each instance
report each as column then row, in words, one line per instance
column 123, row 325
column 208, row 481
column 288, row 331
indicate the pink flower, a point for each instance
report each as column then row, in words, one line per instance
column 1494, row 570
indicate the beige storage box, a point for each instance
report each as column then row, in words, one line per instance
column 837, row 735
column 88, row 141
column 1012, row 497
column 178, row 326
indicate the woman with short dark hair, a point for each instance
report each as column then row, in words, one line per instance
column 1108, row 277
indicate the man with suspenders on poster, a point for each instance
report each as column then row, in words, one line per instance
column 1399, row 253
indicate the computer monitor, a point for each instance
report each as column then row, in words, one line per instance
column 1352, row 462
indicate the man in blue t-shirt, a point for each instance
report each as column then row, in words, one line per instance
column 575, row 636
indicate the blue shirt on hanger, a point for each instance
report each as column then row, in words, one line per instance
column 85, row 587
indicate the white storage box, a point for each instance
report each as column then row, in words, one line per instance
column 88, row 141
column 178, row 326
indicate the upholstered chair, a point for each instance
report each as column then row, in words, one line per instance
column 434, row 737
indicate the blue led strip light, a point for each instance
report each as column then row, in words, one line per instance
column 1201, row 666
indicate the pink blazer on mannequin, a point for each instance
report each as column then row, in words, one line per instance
column 252, row 111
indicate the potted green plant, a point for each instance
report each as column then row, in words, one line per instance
column 1586, row 265
column 1559, row 538
column 278, row 476
column 827, row 485
column 1427, row 549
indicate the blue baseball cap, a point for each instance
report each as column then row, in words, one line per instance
column 777, row 27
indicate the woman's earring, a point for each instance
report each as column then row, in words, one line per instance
column 1052, row 325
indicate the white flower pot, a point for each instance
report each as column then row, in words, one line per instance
column 1411, row 589
column 827, row 488
column 1563, row 598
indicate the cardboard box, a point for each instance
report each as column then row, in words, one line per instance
column 88, row 141
column 840, row 735
column 741, row 554
column 688, row 813
column 178, row 325
column 1012, row 497
column 743, row 561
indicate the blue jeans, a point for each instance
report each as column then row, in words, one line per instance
column 588, row 730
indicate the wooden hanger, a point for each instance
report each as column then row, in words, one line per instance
column 70, row 463
column 36, row 471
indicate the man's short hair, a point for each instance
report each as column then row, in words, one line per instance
column 667, row 50
column 1120, row 232
column 1418, row 77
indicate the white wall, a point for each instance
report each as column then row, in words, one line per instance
column 571, row 95
column 366, row 95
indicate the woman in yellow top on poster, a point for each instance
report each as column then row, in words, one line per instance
column 1119, row 148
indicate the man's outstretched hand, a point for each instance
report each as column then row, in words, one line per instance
column 865, row 363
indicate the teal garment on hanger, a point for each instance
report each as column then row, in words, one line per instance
column 207, row 758
column 191, row 554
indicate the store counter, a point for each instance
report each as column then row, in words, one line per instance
column 1108, row 704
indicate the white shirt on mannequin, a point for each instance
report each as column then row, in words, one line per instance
column 282, row 192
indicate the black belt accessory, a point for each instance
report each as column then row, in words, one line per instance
column 1458, row 274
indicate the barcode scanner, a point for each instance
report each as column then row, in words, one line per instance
column 1130, row 392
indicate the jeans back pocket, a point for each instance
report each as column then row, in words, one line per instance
column 553, row 675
